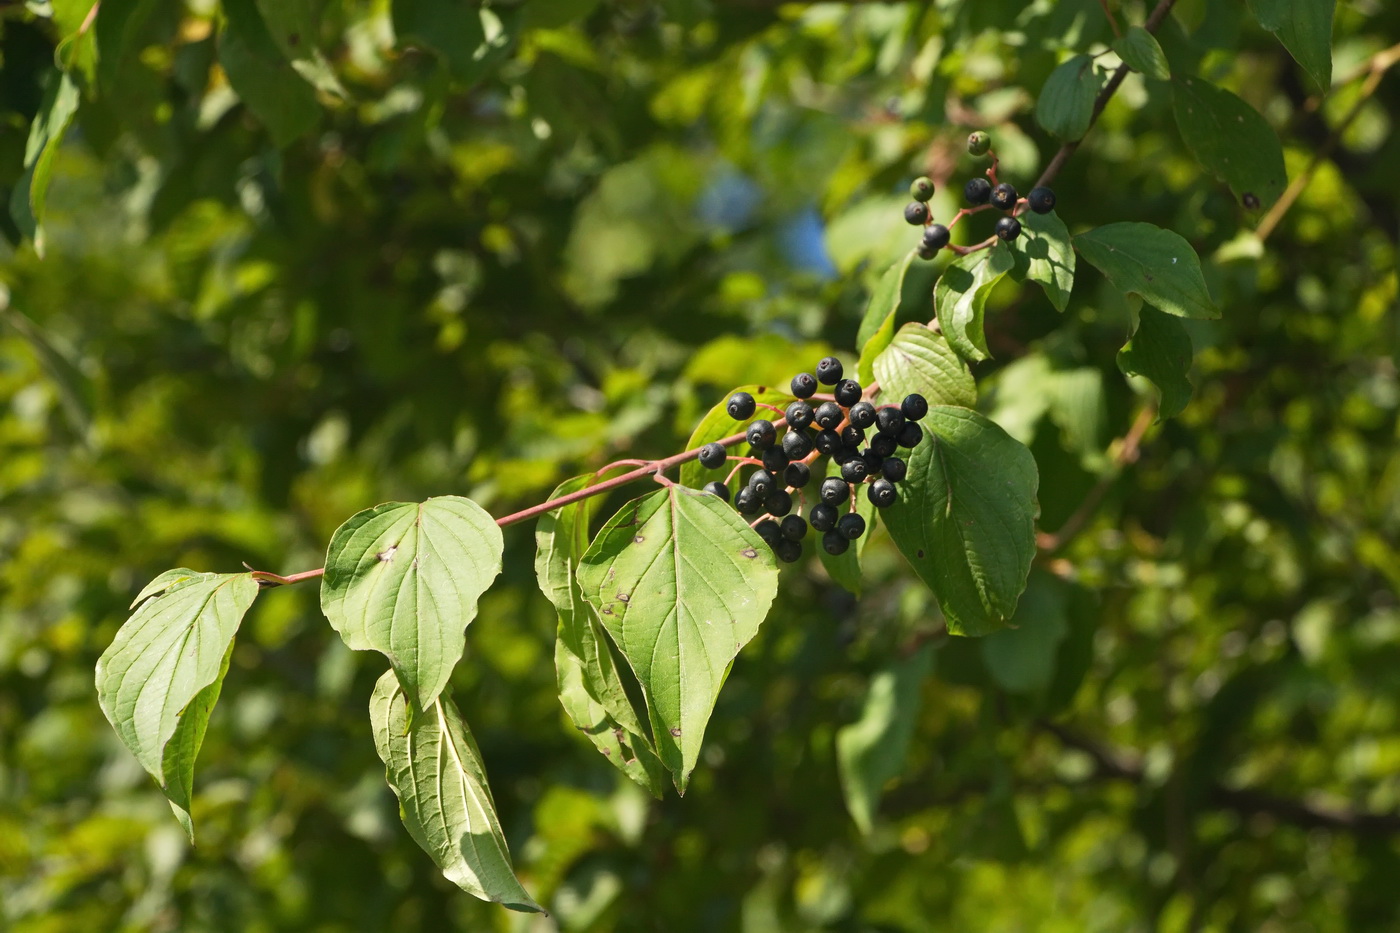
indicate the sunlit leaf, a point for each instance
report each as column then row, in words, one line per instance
column 1155, row 264
column 961, row 298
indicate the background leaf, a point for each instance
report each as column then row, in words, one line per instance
column 965, row 518
column 1066, row 103
column 1305, row 29
column 1160, row 350
column 434, row 767
column 681, row 583
column 262, row 76
column 1231, row 139
column 30, row 194
column 1022, row 656
column 403, row 579
column 1140, row 51
column 1156, row 264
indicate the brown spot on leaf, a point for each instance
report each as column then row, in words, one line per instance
column 623, row 597
column 638, row 539
column 387, row 554
column 919, row 554
column 748, row 552
column 1251, row 200
column 608, row 611
column 676, row 731
column 606, row 751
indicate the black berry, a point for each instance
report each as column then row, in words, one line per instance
column 829, row 371
column 852, row 436
column 1008, row 228
column 718, row 489
column 889, row 421
column 823, row 517
column 712, row 456
column 775, row 460
column 794, row 527
column 798, row 414
column 828, row 442
column 1041, row 200
column 829, row 415
column 936, row 236
column 845, row 454
column 834, row 544
column 921, row 189
column 854, row 470
column 769, row 531
column 978, row 143
column 882, row 493
column 924, row 252
column 873, row 461
column 779, row 502
column 916, row 212
column 835, row 491
column 741, row 406
column 789, row 552
column 862, row 414
column 796, row 444
column 1004, row 196
column 851, row 526
column 894, row 469
column 762, row 483
column 914, row 406
column 910, row 435
column 977, row 191
column 797, row 475
column 804, row 385
column 761, row 434
column 847, row 392
column 748, row 502
column 882, row 445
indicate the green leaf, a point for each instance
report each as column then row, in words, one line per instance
column 1140, row 51
column 434, row 767
column 681, row 583
column 403, row 579
column 590, row 686
column 1156, row 264
column 75, row 389
column 451, row 28
column 1066, row 104
column 877, row 326
column 1230, row 139
column 717, row 425
column 871, row 751
column 1077, row 406
column 965, row 518
column 920, row 360
column 844, row 568
column 261, row 75
column 158, row 680
column 1161, row 351
column 77, row 50
column 1305, row 29
column 1045, row 256
column 1021, row 657
column 961, row 298
column 295, row 27
column 30, row 193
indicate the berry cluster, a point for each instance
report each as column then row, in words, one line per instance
column 836, row 427
column 977, row 192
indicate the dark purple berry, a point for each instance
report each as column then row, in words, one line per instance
column 779, row 502
column 775, row 460
column 852, row 436
column 798, row 414
column 916, row 212
column 936, row 236
column 889, row 421
column 844, row 454
column 794, row 527
column 882, row 493
column 829, row 415
column 1041, row 200
column 873, row 461
column 797, row 475
column 851, row 526
column 910, row 435
column 828, row 442
column 847, row 392
column 761, row 434
column 882, row 445
column 828, row 370
column 1004, row 196
column 923, row 252
column 854, row 470
column 1008, row 228
column 762, row 483
column 914, row 406
column 823, row 517
column 862, row 414
column 712, row 456
column 835, row 491
column 748, row 502
column 834, row 544
column 769, row 531
column 789, row 552
column 718, row 489
column 741, row 406
column 894, row 469
column 796, row 444
column 977, row 191
column 804, row 385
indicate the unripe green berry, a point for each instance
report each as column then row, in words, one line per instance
column 978, row 143
column 921, row 189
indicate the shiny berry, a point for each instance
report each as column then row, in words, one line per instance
column 936, row 236
column 889, row 421
column 851, row 526
column 796, row 444
column 741, row 406
column 829, row 371
column 762, row 483
column 1008, row 228
column 835, row 491
column 798, row 414
column 872, row 460
column 823, row 517
column 828, row 442
column 1004, row 196
column 775, row 460
column 852, row 436
column 916, row 212
column 923, row 252
column 894, row 469
column 804, row 385
column 847, row 392
column 977, row 191
column 978, row 143
column 1041, row 200
column 854, row 470
column 789, row 552
column 921, row 189
column 883, row 444
column 910, row 435
column 862, row 414
column 882, row 493
column 718, row 489
column 794, row 527
column 779, row 502
column 769, row 531
column 834, row 544
column 712, row 456
column 829, row 415
column 748, row 502
column 761, row 434
column 914, row 406
column 797, row 475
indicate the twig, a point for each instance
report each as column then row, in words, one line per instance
column 1112, row 22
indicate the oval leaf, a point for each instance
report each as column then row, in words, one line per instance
column 403, row 579
column 920, row 360
column 158, row 680
column 1066, row 104
column 961, row 298
column 965, row 518
column 262, row 77
column 877, row 326
column 1160, row 351
column 681, row 583
column 1305, row 29
column 717, row 425
column 1045, row 256
column 1140, row 51
column 434, row 767
column 1156, row 264
column 1231, row 139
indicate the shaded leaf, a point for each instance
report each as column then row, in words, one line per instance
column 920, row 360
column 75, row 390
column 1230, row 139
column 1161, row 351
column 871, row 751
column 30, row 193
column 681, row 583
column 1021, row 657
column 1141, row 52
column 961, row 298
column 965, row 518
column 454, row 30
column 1066, row 104
column 1155, row 264
column 262, row 76
column 403, row 579
column 177, row 765
column 1305, row 29
column 434, row 767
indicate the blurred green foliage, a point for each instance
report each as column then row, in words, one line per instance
column 294, row 267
